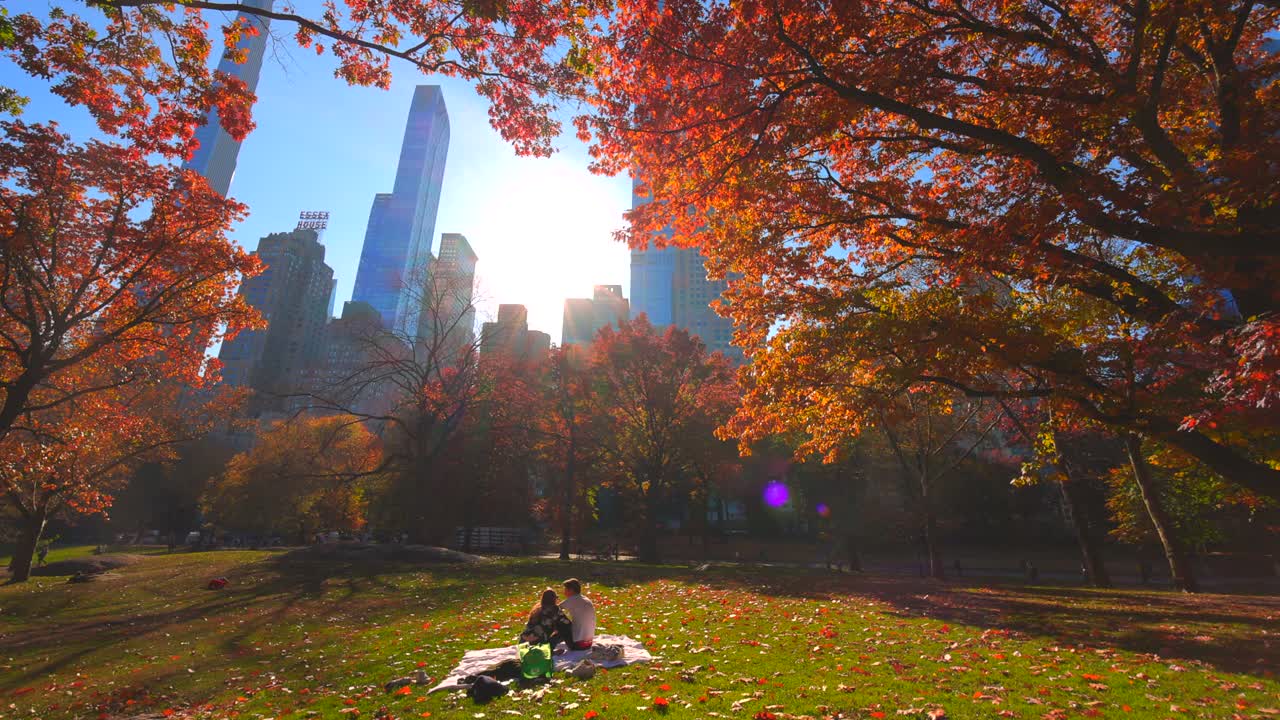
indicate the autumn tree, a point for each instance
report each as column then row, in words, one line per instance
column 1049, row 454
column 653, row 393
column 115, row 278
column 302, row 476
column 164, row 494
column 493, row 456
column 565, row 440
column 141, row 67
column 931, row 432
column 417, row 389
column 1198, row 508
column 71, row 459
column 1110, row 157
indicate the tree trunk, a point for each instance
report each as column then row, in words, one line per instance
column 28, row 537
column 468, row 526
column 1179, row 567
column 649, row 530
column 931, row 530
column 931, row 545
column 566, row 513
column 1090, row 551
column 851, row 549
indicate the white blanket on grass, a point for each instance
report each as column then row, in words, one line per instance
column 479, row 662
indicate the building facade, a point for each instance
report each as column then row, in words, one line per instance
column 349, row 375
column 448, row 307
column 396, row 256
column 671, row 287
column 292, row 294
column 584, row 317
column 216, row 156
column 509, row 337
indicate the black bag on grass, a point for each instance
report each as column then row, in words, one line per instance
column 483, row 688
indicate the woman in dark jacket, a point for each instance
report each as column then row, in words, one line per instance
column 547, row 623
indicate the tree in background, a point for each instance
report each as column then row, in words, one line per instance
column 931, row 432
column 1200, row 509
column 417, row 389
column 165, row 495
column 566, row 441
column 303, row 476
column 493, row 454
column 652, row 394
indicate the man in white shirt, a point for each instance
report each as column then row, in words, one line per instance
column 581, row 612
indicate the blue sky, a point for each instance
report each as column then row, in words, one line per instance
column 542, row 227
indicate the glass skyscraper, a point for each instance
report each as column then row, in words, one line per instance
column 215, row 159
column 670, row 286
column 396, row 256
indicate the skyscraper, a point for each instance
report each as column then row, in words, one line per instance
column 510, row 338
column 215, row 159
column 449, row 307
column 584, row 317
column 671, row 287
column 292, row 293
column 396, row 257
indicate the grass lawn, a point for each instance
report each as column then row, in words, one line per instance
column 296, row 640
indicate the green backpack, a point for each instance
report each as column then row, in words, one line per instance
column 535, row 660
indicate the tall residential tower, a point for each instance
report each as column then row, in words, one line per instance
column 216, row 156
column 396, row 257
column 671, row 287
column 292, row 293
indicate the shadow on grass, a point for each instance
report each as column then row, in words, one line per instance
column 1222, row 631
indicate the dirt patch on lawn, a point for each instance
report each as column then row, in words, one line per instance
column 92, row 565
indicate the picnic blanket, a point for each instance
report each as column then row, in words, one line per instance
column 479, row 662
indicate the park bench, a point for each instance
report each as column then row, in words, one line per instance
column 492, row 539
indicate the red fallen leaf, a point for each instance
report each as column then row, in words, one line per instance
column 661, row 703
column 765, row 715
column 422, row 663
column 664, row 687
column 426, row 714
column 944, row 629
column 590, row 714
column 1091, row 676
column 1125, row 708
column 426, row 626
column 405, row 690
column 168, row 712
column 22, row 691
column 702, row 699
column 877, row 713
column 497, row 626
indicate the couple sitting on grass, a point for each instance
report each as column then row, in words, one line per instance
column 572, row 621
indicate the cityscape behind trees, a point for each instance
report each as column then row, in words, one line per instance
column 1035, row 308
